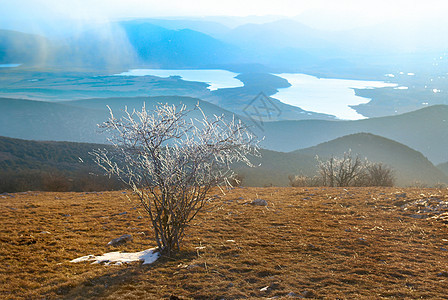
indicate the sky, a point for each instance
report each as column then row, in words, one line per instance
column 323, row 13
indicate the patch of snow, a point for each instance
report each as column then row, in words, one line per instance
column 390, row 75
column 411, row 74
column 435, row 91
column 147, row 256
column 401, row 88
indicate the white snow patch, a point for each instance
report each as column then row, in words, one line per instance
column 411, row 74
column 390, row 75
column 401, row 88
column 435, row 91
column 147, row 256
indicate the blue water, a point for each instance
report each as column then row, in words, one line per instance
column 217, row 79
column 9, row 65
column 323, row 95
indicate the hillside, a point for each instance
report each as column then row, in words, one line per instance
column 23, row 48
column 16, row 155
column 77, row 121
column 38, row 120
column 443, row 167
column 51, row 166
column 410, row 167
column 183, row 48
column 425, row 130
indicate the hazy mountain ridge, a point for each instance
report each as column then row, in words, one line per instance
column 18, row 47
column 425, row 130
column 77, row 121
column 183, row 48
column 410, row 166
column 273, row 168
column 284, row 45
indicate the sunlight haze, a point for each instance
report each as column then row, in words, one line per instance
column 321, row 13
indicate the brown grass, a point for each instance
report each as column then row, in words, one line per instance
column 315, row 242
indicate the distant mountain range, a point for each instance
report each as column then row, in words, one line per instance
column 19, row 47
column 425, row 130
column 279, row 46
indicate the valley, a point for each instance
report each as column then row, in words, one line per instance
column 312, row 162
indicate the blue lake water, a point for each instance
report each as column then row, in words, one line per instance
column 217, row 79
column 323, row 95
column 9, row 65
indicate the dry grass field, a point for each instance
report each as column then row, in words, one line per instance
column 335, row 243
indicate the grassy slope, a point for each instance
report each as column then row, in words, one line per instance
column 317, row 243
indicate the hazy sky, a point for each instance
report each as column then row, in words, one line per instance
column 360, row 11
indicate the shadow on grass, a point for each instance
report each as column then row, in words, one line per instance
column 129, row 275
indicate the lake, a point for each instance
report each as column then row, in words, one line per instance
column 9, row 65
column 323, row 95
column 217, row 79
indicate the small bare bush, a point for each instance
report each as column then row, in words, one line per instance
column 172, row 162
column 55, row 181
column 379, row 174
column 303, row 181
column 353, row 171
column 341, row 171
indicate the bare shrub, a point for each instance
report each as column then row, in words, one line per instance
column 353, row 171
column 55, row 181
column 236, row 180
column 171, row 163
column 85, row 181
column 419, row 184
column 440, row 185
column 379, row 174
column 303, row 181
column 341, row 171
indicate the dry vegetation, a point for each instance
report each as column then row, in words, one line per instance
column 314, row 242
